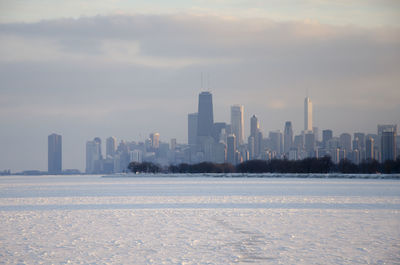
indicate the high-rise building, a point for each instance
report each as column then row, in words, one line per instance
column 287, row 137
column 254, row 126
column 111, row 146
column 192, row 128
column 98, row 141
column 345, row 141
column 231, row 149
column 205, row 120
column 93, row 156
column 218, row 128
column 237, row 123
column 309, row 144
column 257, row 137
column 388, row 145
column 369, row 148
column 155, row 140
column 276, row 141
column 326, row 136
column 308, row 125
column 54, row 154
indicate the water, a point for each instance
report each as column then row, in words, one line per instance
column 198, row 220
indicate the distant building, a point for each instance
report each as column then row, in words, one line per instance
column 192, row 128
column 287, row 137
column 93, row 156
column 369, row 148
column 155, row 140
column 326, row 136
column 111, row 146
column 308, row 125
column 237, row 123
column 309, row 144
column 276, row 141
column 54, row 154
column 388, row 145
column 345, row 142
column 231, row 149
column 205, row 119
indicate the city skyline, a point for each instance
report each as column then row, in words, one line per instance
column 131, row 69
column 216, row 142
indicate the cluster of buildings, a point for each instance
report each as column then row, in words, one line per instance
column 221, row 142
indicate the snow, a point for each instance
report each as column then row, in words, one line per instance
column 164, row 220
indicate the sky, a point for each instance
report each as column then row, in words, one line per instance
column 104, row 68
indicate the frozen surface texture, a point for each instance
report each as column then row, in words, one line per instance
column 95, row 220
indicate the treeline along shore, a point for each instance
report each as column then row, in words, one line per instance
column 305, row 166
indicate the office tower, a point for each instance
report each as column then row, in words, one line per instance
column 251, row 146
column 231, row 149
column 388, row 145
column 54, row 154
column 287, row 137
column 309, row 144
column 205, row 116
column 111, row 146
column 308, row 114
column 173, row 144
column 218, row 128
column 155, row 140
column 369, row 148
column 316, row 133
column 326, row 136
column 98, row 141
column 361, row 139
column 387, row 128
column 93, row 156
column 257, row 135
column 298, row 142
column 192, row 128
column 345, row 141
column 237, row 123
column 276, row 141
column 254, row 126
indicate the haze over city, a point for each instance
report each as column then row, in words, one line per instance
column 126, row 70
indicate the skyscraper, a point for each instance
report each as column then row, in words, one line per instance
column 54, row 154
column 369, row 148
column 93, row 156
column 205, row 119
column 388, row 145
column 326, row 136
column 254, row 126
column 111, row 146
column 237, row 123
column 192, row 128
column 287, row 137
column 257, row 136
column 231, row 149
column 276, row 141
column 345, row 142
column 308, row 126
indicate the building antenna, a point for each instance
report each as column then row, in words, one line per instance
column 208, row 82
column 201, row 82
column 307, row 91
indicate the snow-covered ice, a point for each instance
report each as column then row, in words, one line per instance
column 201, row 220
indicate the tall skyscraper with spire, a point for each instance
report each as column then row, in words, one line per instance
column 205, row 120
column 308, row 126
column 237, row 123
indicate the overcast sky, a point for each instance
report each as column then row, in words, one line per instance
column 128, row 68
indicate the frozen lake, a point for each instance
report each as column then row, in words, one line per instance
column 198, row 220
